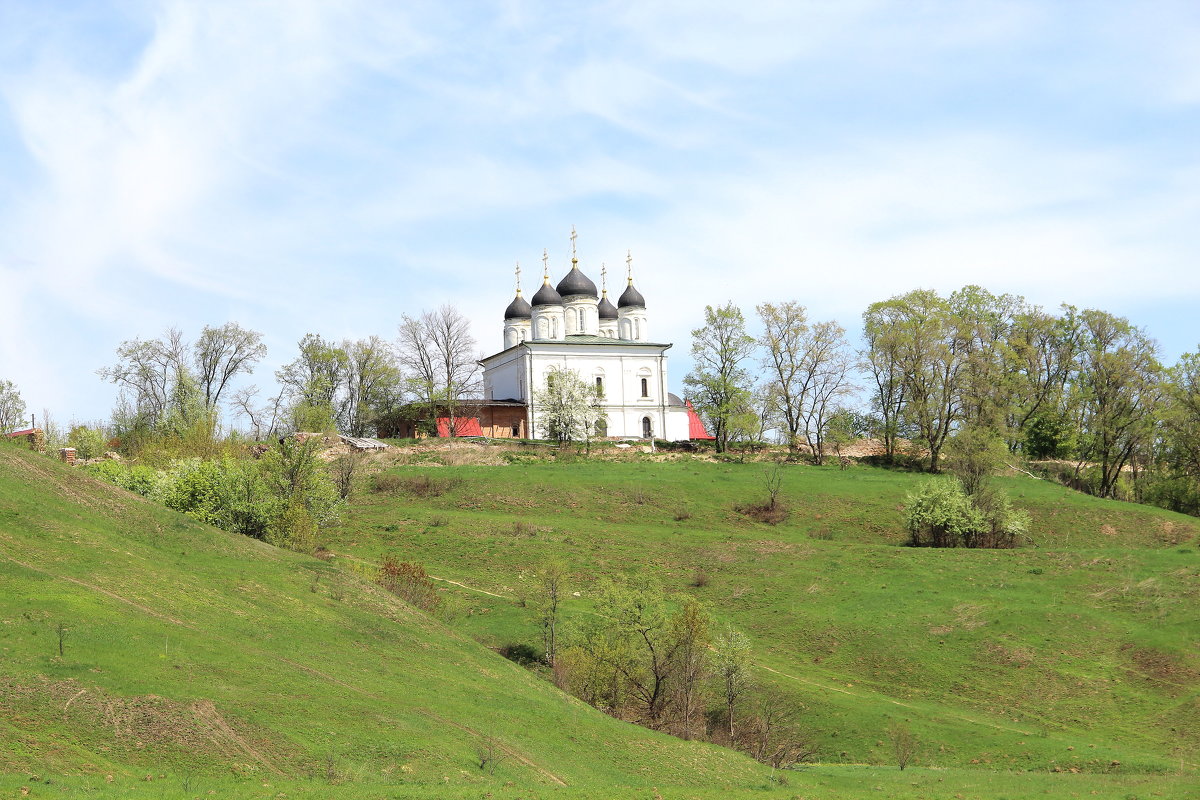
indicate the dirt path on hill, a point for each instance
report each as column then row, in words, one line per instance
column 508, row 749
column 324, row 676
column 101, row 590
column 431, row 577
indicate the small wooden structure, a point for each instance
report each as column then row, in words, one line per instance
column 363, row 443
column 35, row 437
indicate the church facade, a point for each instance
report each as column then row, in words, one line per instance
column 572, row 326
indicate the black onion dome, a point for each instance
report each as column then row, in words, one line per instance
column 519, row 308
column 631, row 298
column 546, row 296
column 607, row 310
column 577, row 283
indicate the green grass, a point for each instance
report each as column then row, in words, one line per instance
column 1075, row 651
column 189, row 650
column 214, row 663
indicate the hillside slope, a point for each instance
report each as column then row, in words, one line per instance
column 188, row 651
column 1078, row 651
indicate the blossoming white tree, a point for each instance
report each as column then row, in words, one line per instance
column 568, row 408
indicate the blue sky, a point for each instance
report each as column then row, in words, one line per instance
column 328, row 166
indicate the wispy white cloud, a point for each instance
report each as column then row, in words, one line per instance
column 327, row 166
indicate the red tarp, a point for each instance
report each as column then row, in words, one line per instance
column 26, row 432
column 463, row 426
column 696, row 429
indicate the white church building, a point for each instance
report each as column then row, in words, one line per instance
column 573, row 326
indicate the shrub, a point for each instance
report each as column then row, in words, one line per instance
column 522, row 654
column 409, row 581
column 294, row 529
column 386, row 483
column 429, row 486
column 940, row 514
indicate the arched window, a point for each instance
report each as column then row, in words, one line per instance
column 543, row 328
column 600, row 385
column 645, row 387
column 647, row 428
column 601, row 428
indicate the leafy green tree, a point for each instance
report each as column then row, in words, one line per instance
column 1120, row 382
column 312, row 382
column 1041, row 353
column 12, row 407
column 883, row 332
column 731, row 665
column 628, row 657
column 719, row 385
column 88, row 442
column 981, row 325
column 294, row 475
column 568, row 408
column 1177, row 483
column 692, row 630
column 373, row 383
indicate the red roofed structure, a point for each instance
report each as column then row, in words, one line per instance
column 696, row 429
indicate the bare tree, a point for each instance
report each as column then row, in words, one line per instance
column 904, row 744
column 772, row 734
column 826, row 366
column 458, row 361
column 784, row 329
column 438, row 353
column 222, row 353
column 150, row 372
column 551, row 583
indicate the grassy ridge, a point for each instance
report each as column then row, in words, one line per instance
column 190, row 651
column 1071, row 653
column 215, row 664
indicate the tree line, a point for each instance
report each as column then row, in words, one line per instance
column 170, row 386
column 1083, row 388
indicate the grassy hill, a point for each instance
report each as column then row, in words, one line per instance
column 212, row 663
column 1076, row 651
column 220, row 661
